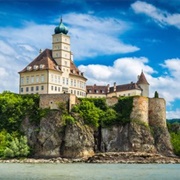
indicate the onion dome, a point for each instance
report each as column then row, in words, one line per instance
column 61, row 28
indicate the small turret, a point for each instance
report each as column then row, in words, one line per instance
column 143, row 84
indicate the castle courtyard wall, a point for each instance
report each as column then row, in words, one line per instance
column 52, row 100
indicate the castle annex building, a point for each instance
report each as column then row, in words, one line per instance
column 140, row 88
column 54, row 72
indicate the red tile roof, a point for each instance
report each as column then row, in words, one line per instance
column 46, row 61
column 96, row 89
column 125, row 87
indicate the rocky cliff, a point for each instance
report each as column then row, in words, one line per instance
column 52, row 138
column 146, row 132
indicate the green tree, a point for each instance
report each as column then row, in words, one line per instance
column 90, row 113
column 156, row 95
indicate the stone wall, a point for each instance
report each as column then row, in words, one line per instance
column 140, row 109
column 52, row 100
column 157, row 112
column 110, row 101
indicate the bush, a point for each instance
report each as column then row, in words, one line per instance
column 175, row 140
column 11, row 146
column 90, row 113
column 124, row 109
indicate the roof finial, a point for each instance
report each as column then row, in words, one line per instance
column 40, row 51
column 61, row 19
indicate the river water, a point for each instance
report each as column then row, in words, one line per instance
column 82, row 171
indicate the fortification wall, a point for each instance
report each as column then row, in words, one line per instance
column 157, row 112
column 52, row 100
column 140, row 109
column 110, row 101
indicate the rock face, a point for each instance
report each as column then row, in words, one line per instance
column 147, row 132
column 51, row 138
column 131, row 137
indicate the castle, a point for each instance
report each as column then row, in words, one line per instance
column 54, row 72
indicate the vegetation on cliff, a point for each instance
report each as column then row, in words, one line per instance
column 174, row 129
column 13, row 109
column 95, row 111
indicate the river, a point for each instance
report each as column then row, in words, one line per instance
column 83, row 171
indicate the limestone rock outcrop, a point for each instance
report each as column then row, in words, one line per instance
column 131, row 137
column 51, row 138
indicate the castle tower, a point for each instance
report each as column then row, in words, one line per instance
column 143, row 83
column 61, row 51
column 53, row 71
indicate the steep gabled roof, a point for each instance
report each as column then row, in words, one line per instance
column 43, row 61
column 75, row 71
column 125, row 87
column 94, row 89
column 142, row 79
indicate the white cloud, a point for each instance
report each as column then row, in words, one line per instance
column 92, row 35
column 125, row 70
column 162, row 17
column 173, row 114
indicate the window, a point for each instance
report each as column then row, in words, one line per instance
column 32, row 79
column 77, row 83
column 22, row 80
column 32, row 88
column 63, row 80
column 51, row 77
column 42, row 88
column 42, row 78
column 74, row 83
column 37, row 79
column 66, row 81
column 71, row 91
column 27, row 89
column 51, row 88
column 27, row 80
column 75, row 92
column 55, row 88
column 59, row 89
column 71, row 82
column 55, row 79
column 59, row 79
column 21, row 89
column 37, row 88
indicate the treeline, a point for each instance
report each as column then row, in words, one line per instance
column 13, row 109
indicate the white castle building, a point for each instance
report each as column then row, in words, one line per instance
column 54, row 72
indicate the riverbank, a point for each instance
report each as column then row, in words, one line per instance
column 110, row 157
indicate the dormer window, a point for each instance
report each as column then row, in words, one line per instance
column 29, row 68
column 35, row 67
column 41, row 66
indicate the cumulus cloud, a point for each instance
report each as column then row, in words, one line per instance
column 125, row 70
column 161, row 17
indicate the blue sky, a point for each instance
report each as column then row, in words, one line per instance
column 112, row 41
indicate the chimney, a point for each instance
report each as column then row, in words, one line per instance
column 108, row 88
column 40, row 51
column 114, row 86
